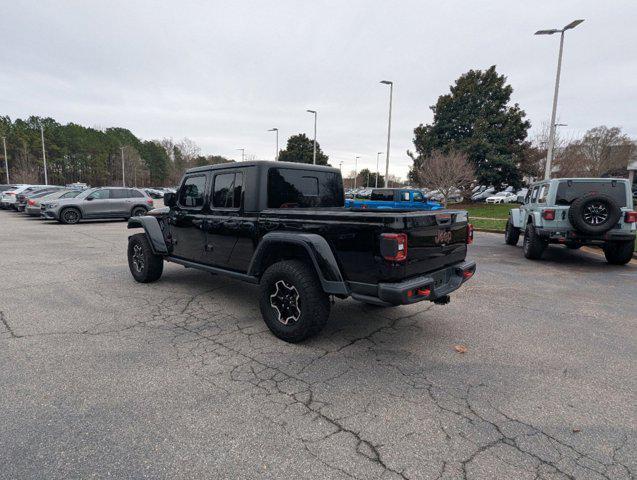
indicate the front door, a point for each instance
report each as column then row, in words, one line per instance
column 187, row 218
column 97, row 204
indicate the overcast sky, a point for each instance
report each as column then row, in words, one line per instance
column 223, row 73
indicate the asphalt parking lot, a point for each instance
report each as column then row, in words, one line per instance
column 102, row 377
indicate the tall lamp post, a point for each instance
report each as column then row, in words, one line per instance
column 243, row 153
column 314, row 154
column 549, row 153
column 391, row 94
column 356, row 170
column 123, row 170
column 46, row 178
column 276, row 152
column 377, row 157
column 6, row 162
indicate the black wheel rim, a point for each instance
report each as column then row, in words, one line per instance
column 285, row 302
column 70, row 216
column 596, row 213
column 138, row 258
column 138, row 212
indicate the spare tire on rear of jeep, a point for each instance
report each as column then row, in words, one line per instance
column 594, row 213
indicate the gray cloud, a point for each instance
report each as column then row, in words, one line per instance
column 222, row 73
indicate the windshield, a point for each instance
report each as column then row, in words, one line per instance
column 570, row 190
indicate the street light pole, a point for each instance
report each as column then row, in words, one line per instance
column 276, row 152
column 46, row 178
column 355, row 170
column 6, row 162
column 377, row 157
column 123, row 172
column 314, row 153
column 340, row 165
column 391, row 94
column 549, row 153
column 243, row 150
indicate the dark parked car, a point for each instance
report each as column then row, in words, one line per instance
column 101, row 202
column 283, row 226
column 21, row 198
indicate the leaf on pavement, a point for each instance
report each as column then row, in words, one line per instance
column 460, row 348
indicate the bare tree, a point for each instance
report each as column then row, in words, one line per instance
column 447, row 173
column 602, row 151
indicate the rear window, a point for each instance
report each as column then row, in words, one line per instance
column 569, row 190
column 296, row 188
column 384, row 195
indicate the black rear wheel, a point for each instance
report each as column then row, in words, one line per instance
column 534, row 245
column 144, row 265
column 511, row 233
column 619, row 253
column 292, row 301
column 138, row 212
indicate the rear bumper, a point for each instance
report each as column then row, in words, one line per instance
column 560, row 235
column 33, row 211
column 431, row 286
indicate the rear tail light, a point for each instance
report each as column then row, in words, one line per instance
column 469, row 234
column 393, row 246
column 548, row 214
column 467, row 274
column 630, row 217
column 150, row 202
column 31, row 202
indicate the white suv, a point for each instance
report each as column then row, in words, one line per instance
column 575, row 212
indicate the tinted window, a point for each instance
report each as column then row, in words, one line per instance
column 534, row 194
column 418, row 197
column 100, row 194
column 119, row 193
column 291, row 188
column 570, row 190
column 227, row 190
column 135, row 194
column 384, row 195
column 191, row 193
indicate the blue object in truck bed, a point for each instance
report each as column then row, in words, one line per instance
column 394, row 199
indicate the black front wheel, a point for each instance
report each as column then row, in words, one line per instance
column 511, row 233
column 534, row 245
column 619, row 253
column 70, row 216
column 144, row 265
column 292, row 301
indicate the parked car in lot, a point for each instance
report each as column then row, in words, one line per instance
column 21, row 198
column 283, row 226
column 575, row 212
column 34, row 202
column 502, row 197
column 394, row 199
column 482, row 195
column 9, row 197
column 100, row 202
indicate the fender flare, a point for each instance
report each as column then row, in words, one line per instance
column 515, row 216
column 153, row 233
column 317, row 249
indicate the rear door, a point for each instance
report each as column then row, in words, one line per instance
column 120, row 201
column 229, row 234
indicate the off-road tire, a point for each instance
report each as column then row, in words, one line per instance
column 619, row 253
column 511, row 233
column 578, row 210
column 70, row 216
column 533, row 246
column 144, row 265
column 138, row 212
column 312, row 303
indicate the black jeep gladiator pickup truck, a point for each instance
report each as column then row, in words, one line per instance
column 284, row 226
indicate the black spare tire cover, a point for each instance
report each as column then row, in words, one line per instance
column 594, row 213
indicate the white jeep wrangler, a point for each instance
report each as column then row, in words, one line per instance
column 575, row 212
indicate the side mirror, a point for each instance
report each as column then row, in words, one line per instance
column 170, row 199
column 90, row 198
